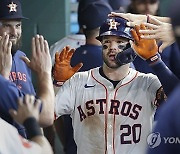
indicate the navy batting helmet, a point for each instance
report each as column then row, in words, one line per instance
column 115, row 26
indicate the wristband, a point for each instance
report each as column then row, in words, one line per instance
column 32, row 127
column 57, row 83
column 153, row 59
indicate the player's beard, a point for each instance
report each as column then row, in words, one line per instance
column 16, row 46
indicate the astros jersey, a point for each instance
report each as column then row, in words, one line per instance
column 20, row 83
column 12, row 142
column 20, row 74
column 109, row 120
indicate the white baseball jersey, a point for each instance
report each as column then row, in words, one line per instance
column 74, row 41
column 12, row 143
column 108, row 120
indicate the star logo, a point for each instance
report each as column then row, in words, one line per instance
column 12, row 7
column 113, row 24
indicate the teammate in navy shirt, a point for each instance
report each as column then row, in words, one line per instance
column 90, row 55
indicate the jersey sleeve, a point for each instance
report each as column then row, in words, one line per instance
column 154, row 88
column 65, row 98
column 166, row 76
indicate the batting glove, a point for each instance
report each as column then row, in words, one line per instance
column 147, row 49
column 62, row 69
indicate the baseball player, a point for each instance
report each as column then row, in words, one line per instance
column 15, row 73
column 89, row 54
column 27, row 114
column 112, row 106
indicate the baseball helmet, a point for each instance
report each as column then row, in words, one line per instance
column 115, row 26
column 11, row 9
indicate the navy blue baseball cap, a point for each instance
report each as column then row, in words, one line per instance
column 115, row 26
column 11, row 9
column 93, row 14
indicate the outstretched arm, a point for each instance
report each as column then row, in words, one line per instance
column 137, row 19
column 40, row 63
column 148, row 50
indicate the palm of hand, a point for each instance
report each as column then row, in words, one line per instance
column 63, row 70
column 146, row 48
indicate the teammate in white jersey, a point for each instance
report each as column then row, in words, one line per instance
column 112, row 106
column 28, row 115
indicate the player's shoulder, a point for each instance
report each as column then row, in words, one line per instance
column 76, row 37
column 73, row 40
column 19, row 53
column 147, row 76
column 85, row 75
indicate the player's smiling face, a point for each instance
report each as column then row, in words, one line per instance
column 111, row 46
column 14, row 29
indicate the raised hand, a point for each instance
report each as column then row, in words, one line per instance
column 27, row 107
column 40, row 60
column 160, row 31
column 134, row 19
column 62, row 68
column 146, row 49
column 5, row 55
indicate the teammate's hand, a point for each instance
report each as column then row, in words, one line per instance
column 133, row 19
column 40, row 60
column 62, row 69
column 144, row 48
column 160, row 31
column 27, row 107
column 5, row 55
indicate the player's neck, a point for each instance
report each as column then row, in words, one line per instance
column 116, row 74
column 93, row 41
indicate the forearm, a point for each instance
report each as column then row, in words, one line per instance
column 46, row 94
column 168, row 80
column 34, row 134
column 5, row 74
